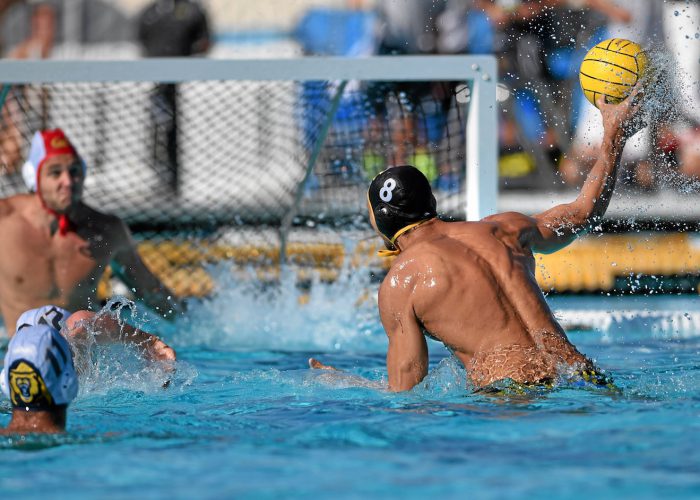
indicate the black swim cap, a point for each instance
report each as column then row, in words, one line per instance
column 400, row 196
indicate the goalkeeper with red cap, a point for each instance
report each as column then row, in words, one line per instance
column 55, row 248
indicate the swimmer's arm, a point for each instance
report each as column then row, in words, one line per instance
column 407, row 356
column 108, row 329
column 559, row 226
column 127, row 264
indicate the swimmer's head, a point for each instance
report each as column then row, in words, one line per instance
column 399, row 197
column 54, row 170
column 39, row 374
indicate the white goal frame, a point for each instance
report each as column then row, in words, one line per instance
column 478, row 71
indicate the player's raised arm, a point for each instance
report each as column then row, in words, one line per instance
column 560, row 225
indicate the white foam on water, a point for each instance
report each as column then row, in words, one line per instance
column 448, row 378
column 249, row 314
column 656, row 324
column 106, row 367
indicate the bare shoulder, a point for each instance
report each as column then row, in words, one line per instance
column 514, row 228
column 6, row 208
column 510, row 221
column 13, row 204
column 412, row 270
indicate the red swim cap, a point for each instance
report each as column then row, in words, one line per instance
column 46, row 144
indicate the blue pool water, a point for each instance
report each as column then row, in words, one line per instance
column 244, row 417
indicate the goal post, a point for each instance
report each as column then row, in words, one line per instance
column 246, row 159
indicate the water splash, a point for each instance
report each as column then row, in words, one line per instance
column 105, row 367
column 249, row 314
column 665, row 107
column 448, row 378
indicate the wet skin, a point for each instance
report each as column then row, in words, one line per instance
column 471, row 285
column 36, row 422
column 40, row 266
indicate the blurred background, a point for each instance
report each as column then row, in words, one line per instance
column 548, row 135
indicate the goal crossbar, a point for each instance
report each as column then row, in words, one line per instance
column 478, row 71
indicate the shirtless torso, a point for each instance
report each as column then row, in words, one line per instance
column 472, row 286
column 54, row 250
column 42, row 268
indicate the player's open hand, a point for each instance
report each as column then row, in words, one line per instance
column 621, row 121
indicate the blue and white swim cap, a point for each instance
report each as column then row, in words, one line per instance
column 53, row 316
column 39, row 372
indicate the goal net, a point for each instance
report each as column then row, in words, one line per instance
column 255, row 161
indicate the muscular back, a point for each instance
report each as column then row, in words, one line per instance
column 472, row 286
column 37, row 267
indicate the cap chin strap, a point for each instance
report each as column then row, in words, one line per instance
column 403, row 230
column 64, row 224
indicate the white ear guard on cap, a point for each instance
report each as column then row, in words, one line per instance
column 37, row 154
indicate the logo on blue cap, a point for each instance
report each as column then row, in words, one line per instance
column 39, row 371
column 27, row 387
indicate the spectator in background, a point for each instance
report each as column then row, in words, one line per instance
column 670, row 26
column 42, row 33
column 681, row 19
column 411, row 115
column 37, row 45
column 408, row 27
column 523, row 33
column 171, row 28
column 688, row 152
column 5, row 6
column 638, row 25
column 538, row 43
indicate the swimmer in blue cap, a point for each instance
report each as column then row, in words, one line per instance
column 39, row 379
column 471, row 285
column 103, row 328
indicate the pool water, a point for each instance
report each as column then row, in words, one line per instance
column 243, row 417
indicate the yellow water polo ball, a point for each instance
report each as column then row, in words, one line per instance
column 612, row 68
